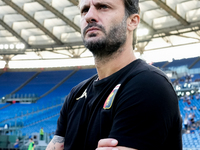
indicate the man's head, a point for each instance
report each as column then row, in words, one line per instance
column 105, row 25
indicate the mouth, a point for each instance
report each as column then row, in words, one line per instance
column 92, row 29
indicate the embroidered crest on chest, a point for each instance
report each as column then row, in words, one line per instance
column 109, row 101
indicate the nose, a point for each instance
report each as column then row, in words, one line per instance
column 91, row 15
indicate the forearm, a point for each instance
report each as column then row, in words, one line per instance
column 57, row 143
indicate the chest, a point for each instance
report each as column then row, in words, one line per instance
column 88, row 120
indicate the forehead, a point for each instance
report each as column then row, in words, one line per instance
column 93, row 2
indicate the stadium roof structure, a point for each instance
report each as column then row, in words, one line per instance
column 50, row 29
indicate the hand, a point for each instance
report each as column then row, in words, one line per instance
column 110, row 144
column 107, row 144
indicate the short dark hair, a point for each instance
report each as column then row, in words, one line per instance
column 132, row 7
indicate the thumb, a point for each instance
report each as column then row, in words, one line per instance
column 108, row 142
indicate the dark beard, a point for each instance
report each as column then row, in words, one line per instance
column 108, row 45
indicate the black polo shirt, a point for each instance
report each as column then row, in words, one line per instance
column 136, row 105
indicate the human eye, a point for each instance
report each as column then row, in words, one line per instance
column 103, row 6
column 84, row 10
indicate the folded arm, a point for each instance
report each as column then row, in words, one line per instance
column 57, row 143
column 110, row 144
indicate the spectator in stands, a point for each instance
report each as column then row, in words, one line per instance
column 187, row 108
column 193, row 128
column 190, row 116
column 197, row 126
column 192, row 120
column 197, row 96
column 31, row 144
column 188, row 101
column 194, row 107
column 41, row 133
column 51, row 136
column 126, row 92
column 16, row 144
column 193, row 116
column 184, row 99
column 186, row 122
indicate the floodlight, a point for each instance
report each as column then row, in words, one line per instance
column 18, row 46
column 12, row 46
column 6, row 46
column 179, row 94
column 22, row 46
column 1, row 46
column 189, row 85
column 178, row 87
column 185, row 85
column 188, row 93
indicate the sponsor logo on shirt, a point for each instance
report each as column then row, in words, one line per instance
column 109, row 101
column 83, row 95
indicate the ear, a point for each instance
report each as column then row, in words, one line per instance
column 133, row 22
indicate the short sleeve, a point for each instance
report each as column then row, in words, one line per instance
column 62, row 121
column 144, row 112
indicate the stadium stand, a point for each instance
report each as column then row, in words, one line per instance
column 25, row 119
column 28, row 113
column 28, row 118
column 44, row 82
column 182, row 62
column 189, row 103
column 197, row 65
column 12, row 80
column 160, row 64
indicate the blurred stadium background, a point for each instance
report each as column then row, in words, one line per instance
column 42, row 57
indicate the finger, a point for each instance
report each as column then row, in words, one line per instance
column 108, row 142
column 107, row 148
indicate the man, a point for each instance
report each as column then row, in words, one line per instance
column 31, row 144
column 128, row 105
column 41, row 133
column 16, row 144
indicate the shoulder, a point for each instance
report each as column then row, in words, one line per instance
column 150, row 82
column 143, row 67
column 145, row 76
column 147, row 86
column 77, row 90
column 140, row 69
column 83, row 84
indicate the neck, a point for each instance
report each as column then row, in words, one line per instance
column 109, row 65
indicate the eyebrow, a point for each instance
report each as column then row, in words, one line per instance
column 102, row 3
column 84, row 6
